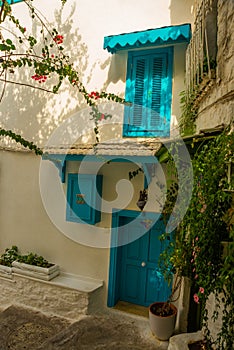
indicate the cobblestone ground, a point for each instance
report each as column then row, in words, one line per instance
column 23, row 329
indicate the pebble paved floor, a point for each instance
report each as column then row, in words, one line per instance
column 24, row 329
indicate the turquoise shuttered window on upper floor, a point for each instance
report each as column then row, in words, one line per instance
column 148, row 88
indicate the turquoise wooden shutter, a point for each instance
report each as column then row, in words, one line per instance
column 149, row 89
column 140, row 73
column 156, row 91
column 156, row 94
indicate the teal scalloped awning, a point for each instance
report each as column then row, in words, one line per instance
column 146, row 38
column 11, row 2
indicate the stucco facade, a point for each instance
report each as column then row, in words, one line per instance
column 25, row 184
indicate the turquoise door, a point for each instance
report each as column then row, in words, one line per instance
column 141, row 281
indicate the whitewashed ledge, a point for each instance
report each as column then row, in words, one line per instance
column 67, row 295
column 77, row 282
column 181, row 341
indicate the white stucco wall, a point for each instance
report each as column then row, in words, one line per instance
column 84, row 26
column 23, row 218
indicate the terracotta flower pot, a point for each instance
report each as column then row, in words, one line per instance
column 162, row 326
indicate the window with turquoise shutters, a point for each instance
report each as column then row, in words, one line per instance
column 148, row 88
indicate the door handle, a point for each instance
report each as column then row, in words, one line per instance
column 143, row 264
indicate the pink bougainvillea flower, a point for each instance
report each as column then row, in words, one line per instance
column 58, row 39
column 94, row 95
column 196, row 239
column 201, row 290
column 196, row 298
column 39, row 78
column 196, row 277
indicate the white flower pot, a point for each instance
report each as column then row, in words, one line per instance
column 35, row 271
column 162, row 326
column 5, row 271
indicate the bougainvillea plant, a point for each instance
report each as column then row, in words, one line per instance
column 197, row 250
column 44, row 55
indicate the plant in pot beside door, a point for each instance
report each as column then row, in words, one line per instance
column 162, row 315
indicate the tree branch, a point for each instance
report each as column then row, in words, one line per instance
column 28, row 85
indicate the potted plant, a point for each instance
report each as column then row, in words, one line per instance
column 162, row 317
column 6, row 260
column 34, row 265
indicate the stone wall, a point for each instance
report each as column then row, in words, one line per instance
column 217, row 105
column 214, row 326
column 182, row 303
column 47, row 297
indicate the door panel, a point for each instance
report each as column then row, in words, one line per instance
column 141, row 282
column 132, row 283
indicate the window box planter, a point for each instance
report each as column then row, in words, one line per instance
column 6, row 271
column 6, row 259
column 43, row 273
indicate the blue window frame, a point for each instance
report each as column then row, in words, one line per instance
column 85, row 206
column 149, row 89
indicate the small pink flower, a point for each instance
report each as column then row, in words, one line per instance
column 102, row 117
column 192, row 260
column 39, row 78
column 58, row 39
column 201, row 290
column 94, row 95
column 196, row 239
column 196, row 298
column 196, row 277
column 194, row 269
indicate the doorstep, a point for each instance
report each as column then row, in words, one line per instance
column 132, row 308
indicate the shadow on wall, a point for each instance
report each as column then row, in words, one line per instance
column 117, row 69
column 34, row 113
